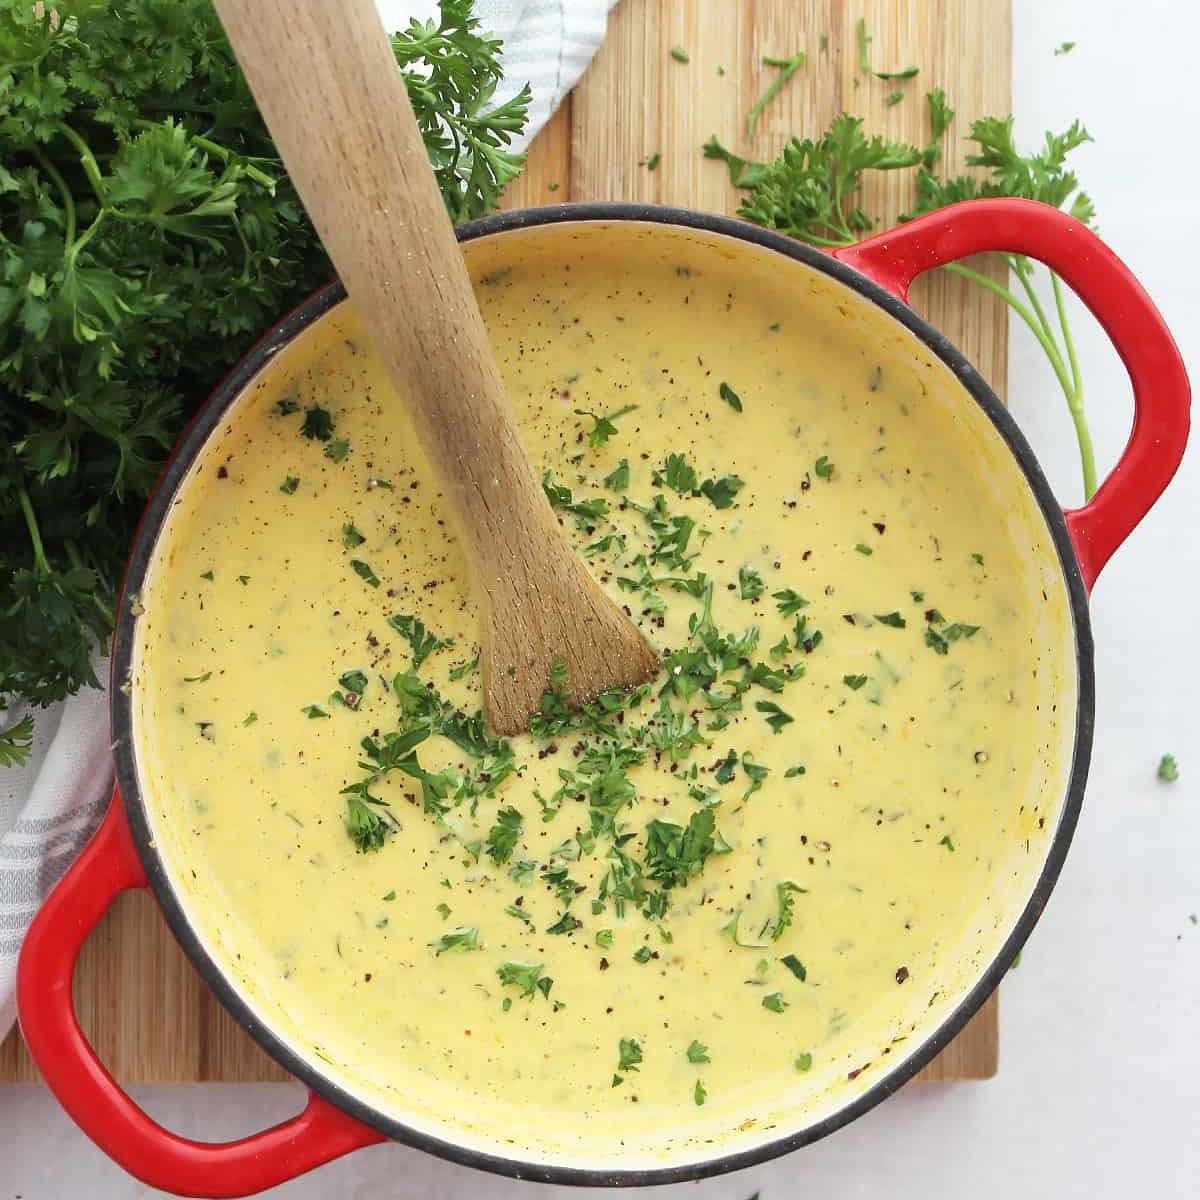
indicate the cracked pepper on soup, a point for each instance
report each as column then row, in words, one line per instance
column 688, row 914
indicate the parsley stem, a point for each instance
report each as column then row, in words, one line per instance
column 1083, row 434
column 1039, row 326
column 35, row 536
column 787, row 68
column 68, row 201
column 86, row 158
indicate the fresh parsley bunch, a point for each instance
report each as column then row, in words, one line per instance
column 148, row 233
column 811, row 191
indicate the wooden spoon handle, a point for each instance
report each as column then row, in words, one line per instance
column 327, row 84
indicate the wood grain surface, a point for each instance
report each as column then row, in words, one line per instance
column 147, row 1012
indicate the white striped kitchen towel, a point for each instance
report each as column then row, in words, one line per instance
column 49, row 807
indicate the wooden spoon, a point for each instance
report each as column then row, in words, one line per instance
column 325, row 79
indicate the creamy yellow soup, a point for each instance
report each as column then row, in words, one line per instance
column 871, row 778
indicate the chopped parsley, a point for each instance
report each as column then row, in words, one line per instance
column 804, row 1061
column 721, row 492
column 318, row 424
column 794, row 965
column 617, row 480
column 854, row 682
column 1168, row 768
column 948, row 842
column 823, row 468
column 894, row 619
column 351, row 537
column 679, row 54
column 527, row 976
column 629, row 1054
column 697, row 1052
column 314, row 711
column 730, row 397
column 603, row 424
column 502, row 839
column 422, row 642
column 788, row 601
column 775, row 1002
column 699, row 1094
column 750, row 584
column 463, row 937
column 863, row 548
column 337, row 450
column 364, row 572
column 290, row 484
column 775, row 715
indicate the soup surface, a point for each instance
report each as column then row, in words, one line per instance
column 683, row 919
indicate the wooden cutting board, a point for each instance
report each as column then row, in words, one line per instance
column 145, row 1009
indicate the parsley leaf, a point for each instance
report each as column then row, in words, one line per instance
column 697, row 1052
column 502, row 839
column 629, row 1054
column 464, row 937
column 318, row 424
column 730, row 397
column 603, row 424
column 527, row 976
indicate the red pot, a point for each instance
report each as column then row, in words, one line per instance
column 122, row 855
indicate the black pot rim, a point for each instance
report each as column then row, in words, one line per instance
column 184, row 454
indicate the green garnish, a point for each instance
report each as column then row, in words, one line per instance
column 794, row 965
column 651, row 162
column 420, row 640
column 462, row 937
column 948, row 842
column 314, row 712
column 318, row 424
column 721, row 492
column 502, row 839
column 775, row 715
column 697, row 1052
column 290, row 484
column 603, row 424
column 250, row 718
column 750, row 583
column 1063, row 48
column 643, row 954
column 775, row 1002
column 604, row 939
column 785, row 901
column 351, row 537
column 16, row 743
column 854, row 682
column 527, row 976
column 617, row 480
column 804, row 1062
column 823, row 468
column 863, row 548
column 467, row 668
column 629, row 1053
column 793, row 771
column 353, row 681
column 198, row 678
column 674, row 853
column 514, row 910
column 894, row 619
column 700, row 1095
column 364, row 572
column 1168, row 768
column 679, row 54
column 730, row 397
column 678, row 475
column 442, row 909
column 286, row 406
column 566, row 923
column 337, row 450
column 789, row 602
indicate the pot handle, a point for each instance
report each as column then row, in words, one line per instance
column 108, row 866
column 1161, row 393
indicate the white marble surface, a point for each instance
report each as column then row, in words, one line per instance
column 1099, row 1089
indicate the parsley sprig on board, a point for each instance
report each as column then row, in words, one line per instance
column 148, row 233
column 811, row 191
